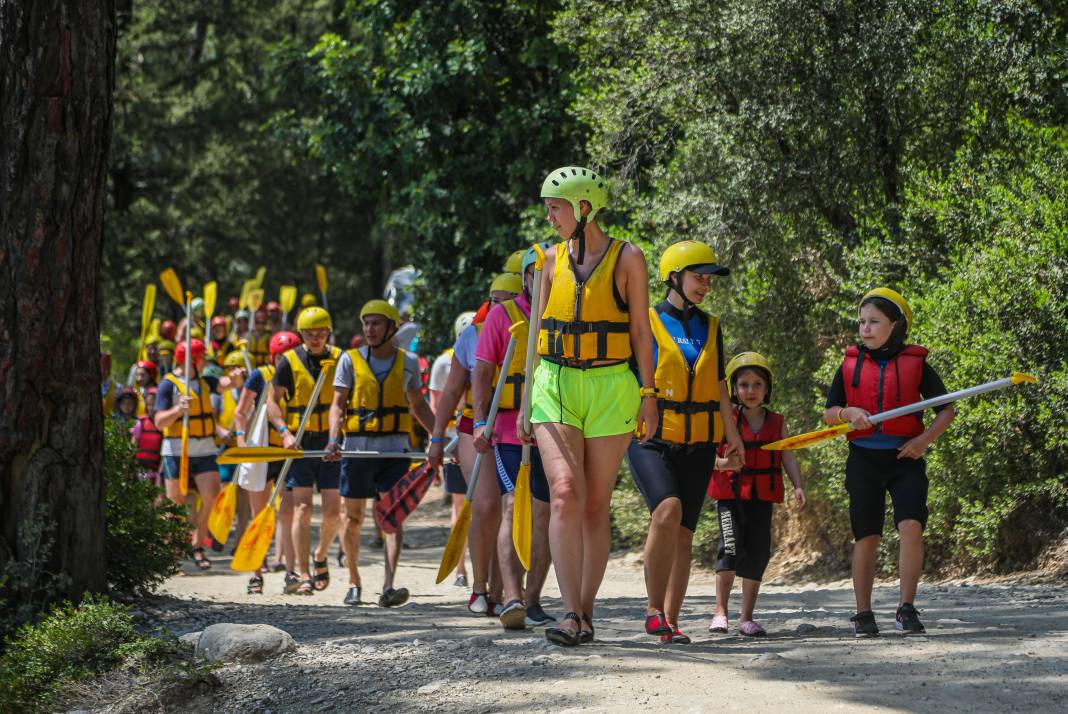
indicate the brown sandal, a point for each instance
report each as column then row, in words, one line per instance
column 202, row 562
column 321, row 581
column 307, row 587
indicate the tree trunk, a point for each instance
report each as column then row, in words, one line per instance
column 57, row 73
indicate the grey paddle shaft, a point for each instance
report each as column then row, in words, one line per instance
column 300, row 430
column 357, row 454
column 492, row 416
column 534, row 327
column 188, row 354
column 944, row 399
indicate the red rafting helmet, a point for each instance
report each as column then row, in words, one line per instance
column 168, row 329
column 233, row 303
column 218, row 320
column 283, row 342
column 273, row 307
column 151, row 390
column 357, row 342
column 124, row 393
column 149, row 367
column 179, row 352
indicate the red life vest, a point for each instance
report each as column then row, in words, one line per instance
column 762, row 468
column 881, row 389
column 148, row 445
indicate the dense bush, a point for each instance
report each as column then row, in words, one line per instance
column 146, row 536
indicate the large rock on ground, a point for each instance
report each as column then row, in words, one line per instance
column 226, row 642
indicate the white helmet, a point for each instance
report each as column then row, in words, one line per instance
column 463, row 321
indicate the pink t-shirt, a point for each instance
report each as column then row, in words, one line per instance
column 492, row 344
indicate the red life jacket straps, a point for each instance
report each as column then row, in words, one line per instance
column 876, row 388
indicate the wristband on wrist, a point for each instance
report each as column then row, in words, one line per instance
column 239, row 433
column 478, row 424
column 282, row 429
column 839, row 417
column 334, row 440
column 648, row 392
column 436, row 440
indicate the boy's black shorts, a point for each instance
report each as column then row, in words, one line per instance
column 870, row 474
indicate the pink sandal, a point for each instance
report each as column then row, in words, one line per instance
column 718, row 624
column 751, row 628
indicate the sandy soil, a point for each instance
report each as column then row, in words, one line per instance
column 990, row 647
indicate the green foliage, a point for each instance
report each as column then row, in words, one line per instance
column 146, row 534
column 72, row 643
column 29, row 574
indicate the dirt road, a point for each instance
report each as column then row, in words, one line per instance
column 990, row 647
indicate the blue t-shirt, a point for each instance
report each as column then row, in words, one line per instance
column 256, row 383
column 690, row 345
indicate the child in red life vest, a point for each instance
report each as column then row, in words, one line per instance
column 148, row 439
column 878, row 375
column 747, row 489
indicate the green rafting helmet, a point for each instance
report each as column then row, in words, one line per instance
column 531, row 256
column 575, row 184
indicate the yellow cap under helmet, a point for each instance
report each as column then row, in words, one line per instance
column 380, row 307
column 894, row 297
column 514, row 264
column 234, row 359
column 311, row 318
column 507, row 282
column 692, row 255
column 748, row 359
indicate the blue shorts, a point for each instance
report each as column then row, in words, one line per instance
column 197, row 465
column 509, row 457
column 305, row 473
column 366, row 478
column 454, row 479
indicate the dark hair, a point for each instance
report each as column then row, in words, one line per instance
column 894, row 314
column 760, row 372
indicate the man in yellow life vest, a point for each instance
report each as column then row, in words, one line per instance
column 294, row 379
column 377, row 388
column 259, row 340
column 521, row 605
column 218, row 343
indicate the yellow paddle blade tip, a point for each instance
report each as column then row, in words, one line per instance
column 1021, row 378
column 539, row 261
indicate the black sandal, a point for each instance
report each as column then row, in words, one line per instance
column 562, row 636
column 323, row 578
column 255, row 585
column 307, row 587
column 586, row 636
column 202, row 562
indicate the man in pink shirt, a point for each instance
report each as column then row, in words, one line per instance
column 522, row 606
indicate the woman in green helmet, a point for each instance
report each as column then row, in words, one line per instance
column 585, row 402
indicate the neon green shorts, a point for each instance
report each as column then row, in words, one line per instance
column 601, row 401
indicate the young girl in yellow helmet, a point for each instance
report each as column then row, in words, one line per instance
column 585, row 401
column 882, row 373
column 672, row 469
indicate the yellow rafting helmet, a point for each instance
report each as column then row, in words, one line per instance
column 514, row 264
column 380, row 307
column 165, row 347
column 314, row 317
column 507, row 282
column 894, row 297
column 196, row 333
column 690, row 255
column 234, row 359
column 748, row 359
column 308, row 300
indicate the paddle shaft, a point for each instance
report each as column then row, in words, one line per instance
column 495, row 403
column 944, row 399
column 532, row 355
column 300, row 433
column 188, row 354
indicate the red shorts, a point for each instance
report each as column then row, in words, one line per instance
column 465, row 425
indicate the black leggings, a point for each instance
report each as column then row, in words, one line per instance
column 663, row 471
column 744, row 537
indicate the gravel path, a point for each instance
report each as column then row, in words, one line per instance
column 1000, row 646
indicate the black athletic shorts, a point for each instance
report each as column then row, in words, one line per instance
column 454, row 479
column 744, row 537
column 662, row 471
column 366, row 478
column 870, row 474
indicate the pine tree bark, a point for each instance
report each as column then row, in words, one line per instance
column 57, row 74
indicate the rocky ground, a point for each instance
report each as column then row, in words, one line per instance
column 990, row 646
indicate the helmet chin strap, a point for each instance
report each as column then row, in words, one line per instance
column 675, row 284
column 580, row 235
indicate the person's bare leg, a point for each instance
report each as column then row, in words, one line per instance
column 864, row 551
column 331, row 503
column 457, row 504
column 562, row 448
column 602, row 459
column 511, row 568
column 910, row 559
column 540, row 559
column 680, row 575
column 392, row 551
column 485, row 520
column 302, row 516
column 351, row 524
column 750, row 590
column 660, row 547
column 724, row 583
column 208, row 485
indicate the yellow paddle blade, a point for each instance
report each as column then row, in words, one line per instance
column 246, row 287
column 522, row 523
column 454, row 549
column 539, row 261
column 252, row 548
column 222, row 512
column 287, row 297
column 172, row 285
column 260, row 273
column 255, row 299
column 147, row 307
column 211, row 291
column 1020, row 378
column 183, row 468
column 803, row 441
column 256, row 455
column 320, row 277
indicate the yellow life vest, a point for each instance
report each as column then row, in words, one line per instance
column 259, row 348
column 303, row 384
column 468, row 410
column 512, row 396
column 377, row 407
column 201, row 416
column 108, row 398
column 275, row 439
column 688, row 399
column 229, row 409
column 142, row 408
column 585, row 322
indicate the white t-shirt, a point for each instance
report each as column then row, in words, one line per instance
column 439, row 372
